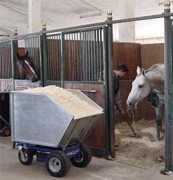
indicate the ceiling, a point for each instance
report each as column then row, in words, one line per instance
column 67, row 13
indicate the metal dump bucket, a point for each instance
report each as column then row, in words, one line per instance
column 39, row 119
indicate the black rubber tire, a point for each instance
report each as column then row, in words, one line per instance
column 84, row 158
column 57, row 164
column 6, row 131
column 27, row 158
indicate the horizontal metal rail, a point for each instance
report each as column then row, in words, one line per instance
column 92, row 25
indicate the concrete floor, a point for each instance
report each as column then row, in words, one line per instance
column 98, row 169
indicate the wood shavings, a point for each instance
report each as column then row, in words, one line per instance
column 70, row 101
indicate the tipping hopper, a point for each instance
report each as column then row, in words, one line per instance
column 39, row 118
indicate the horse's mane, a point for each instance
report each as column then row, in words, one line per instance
column 155, row 76
column 154, row 67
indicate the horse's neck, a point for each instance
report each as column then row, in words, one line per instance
column 156, row 80
column 20, row 68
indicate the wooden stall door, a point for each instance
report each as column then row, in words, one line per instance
column 96, row 137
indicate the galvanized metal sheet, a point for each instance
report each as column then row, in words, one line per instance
column 37, row 119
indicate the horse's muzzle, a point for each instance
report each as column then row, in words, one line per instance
column 130, row 104
column 35, row 79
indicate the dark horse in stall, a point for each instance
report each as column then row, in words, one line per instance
column 26, row 71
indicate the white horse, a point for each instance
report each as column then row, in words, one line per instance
column 146, row 81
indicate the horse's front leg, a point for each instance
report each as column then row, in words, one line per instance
column 158, row 121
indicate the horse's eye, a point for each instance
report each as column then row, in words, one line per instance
column 141, row 86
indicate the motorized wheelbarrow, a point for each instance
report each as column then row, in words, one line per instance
column 42, row 127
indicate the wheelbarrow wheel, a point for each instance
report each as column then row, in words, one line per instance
column 5, row 132
column 57, row 164
column 84, row 157
column 25, row 157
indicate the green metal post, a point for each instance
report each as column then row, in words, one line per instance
column 14, row 50
column 44, row 57
column 111, row 96
column 168, row 90
column 62, row 59
column 106, row 91
column 171, row 106
column 109, row 105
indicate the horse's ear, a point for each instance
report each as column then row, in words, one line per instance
column 138, row 70
column 143, row 71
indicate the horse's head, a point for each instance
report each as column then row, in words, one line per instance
column 25, row 69
column 140, row 89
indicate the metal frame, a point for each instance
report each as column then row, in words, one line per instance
column 168, row 61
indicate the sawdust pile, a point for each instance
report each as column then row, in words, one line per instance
column 142, row 149
column 78, row 107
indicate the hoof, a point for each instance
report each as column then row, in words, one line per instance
column 159, row 139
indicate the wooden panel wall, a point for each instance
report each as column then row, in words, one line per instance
column 54, row 58
column 134, row 55
column 128, row 54
column 151, row 54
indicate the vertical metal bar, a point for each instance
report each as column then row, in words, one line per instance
column 5, row 75
column 111, row 97
column 68, row 72
column 40, row 62
column 12, row 62
column 84, row 55
column 100, row 51
column 51, row 58
column 71, row 46
column 90, row 50
column 82, row 49
column 92, row 55
column 49, row 54
column 56, row 56
column 88, row 56
column 78, row 57
column 0, row 61
column 75, row 57
column 44, row 58
column 106, row 90
column 11, row 109
column 96, row 55
column 62, row 59
column 171, row 98
column 13, row 57
column 167, row 90
column 171, row 102
column 15, row 50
